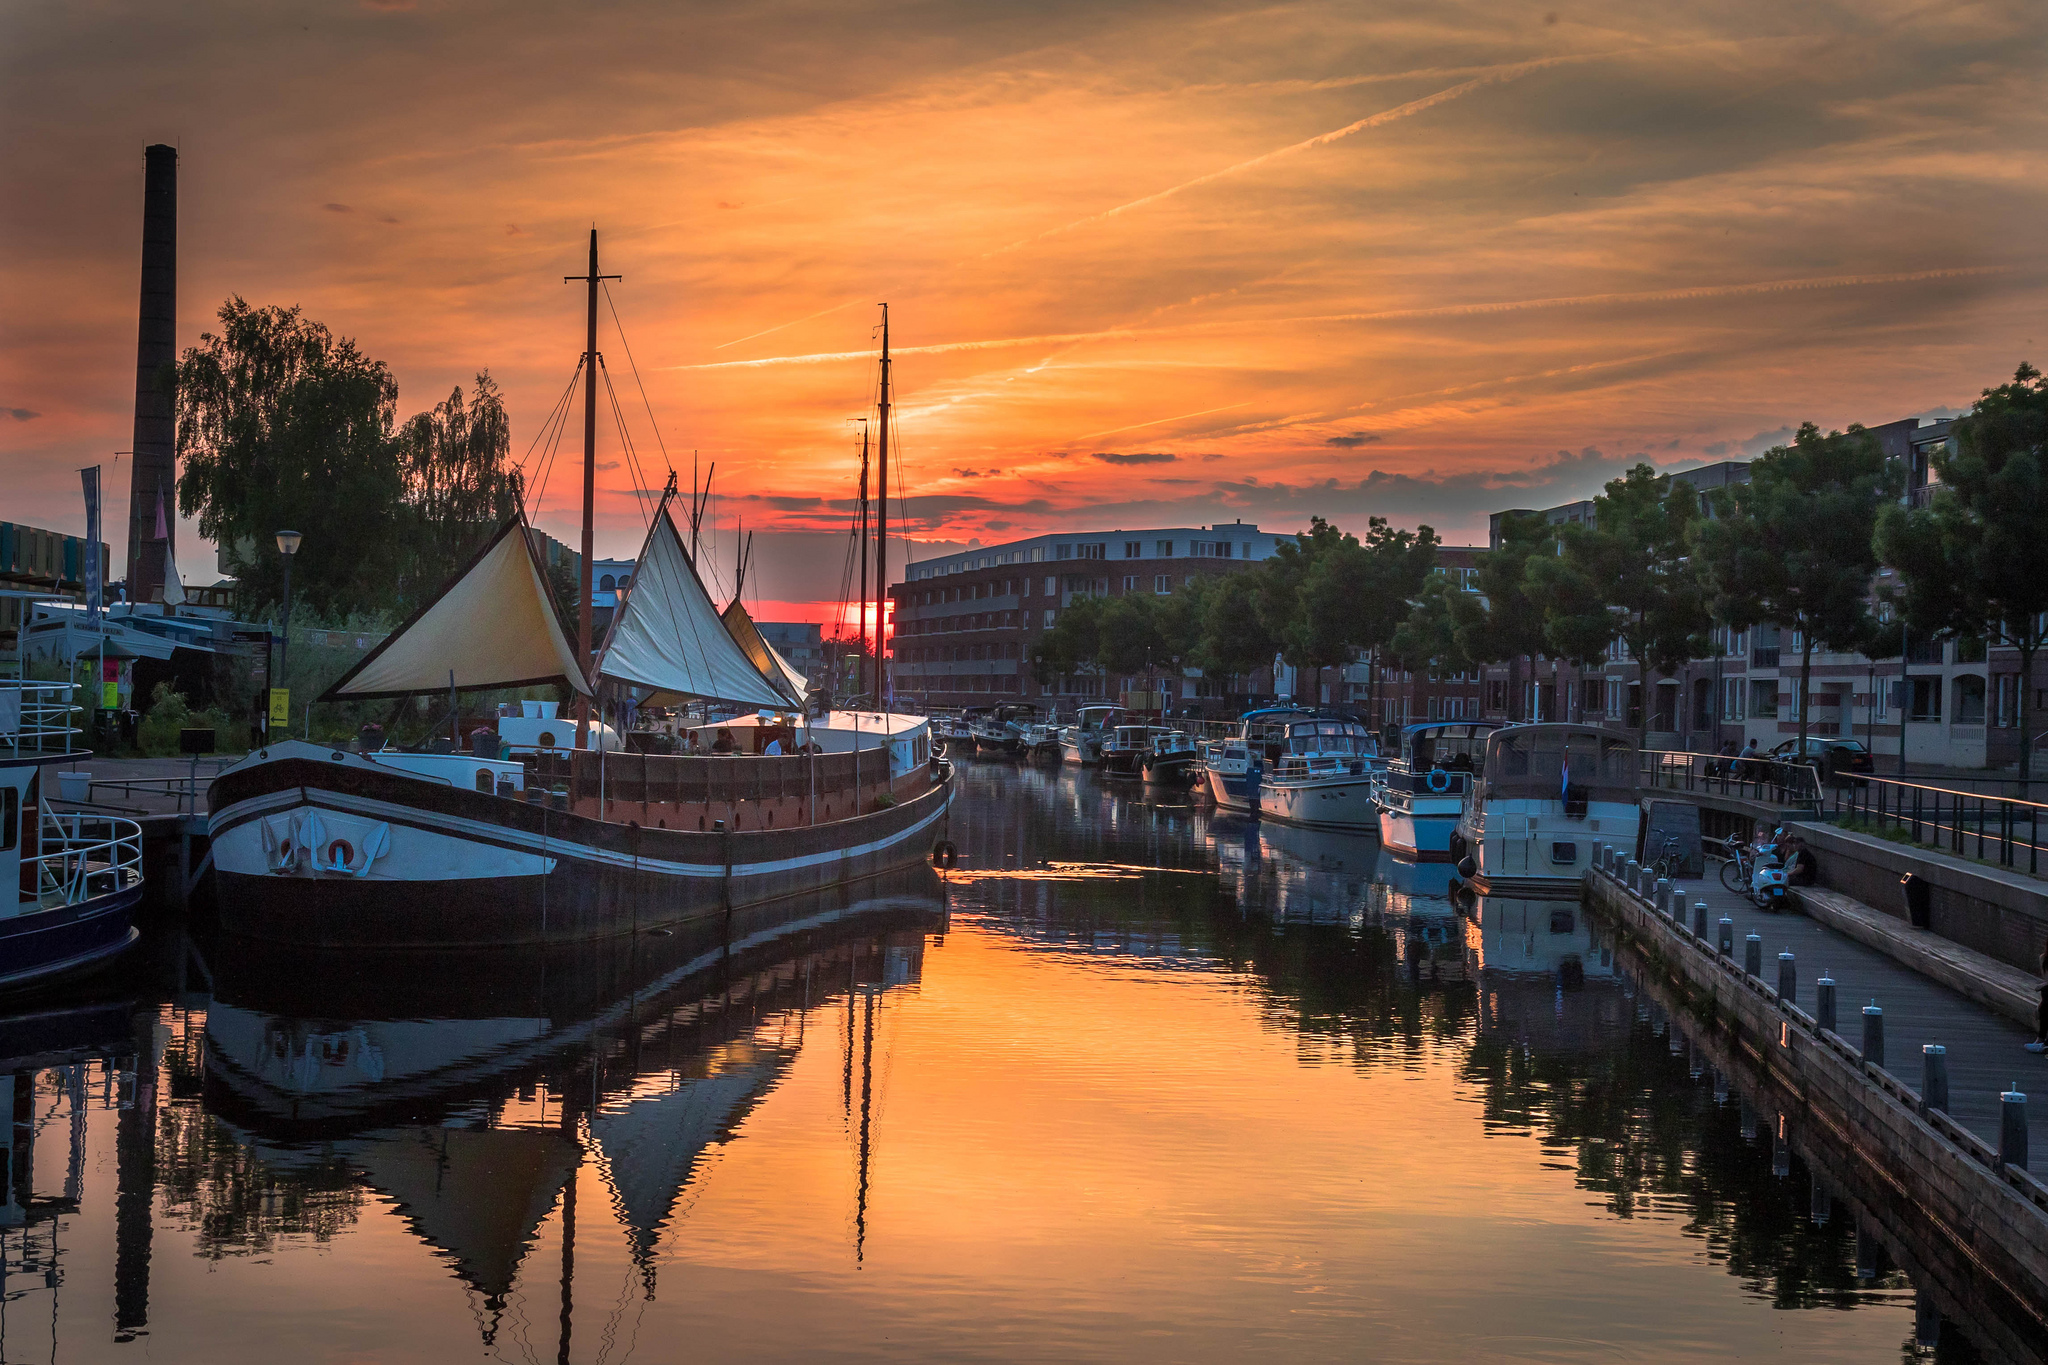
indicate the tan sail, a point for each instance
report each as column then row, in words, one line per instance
column 668, row 636
column 493, row 625
column 764, row 655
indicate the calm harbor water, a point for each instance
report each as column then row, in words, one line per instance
column 1134, row 1082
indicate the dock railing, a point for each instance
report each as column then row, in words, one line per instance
column 1787, row 786
column 1997, row 829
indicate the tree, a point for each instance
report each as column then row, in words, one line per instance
column 1331, row 595
column 1073, row 642
column 1511, row 627
column 1627, row 577
column 458, row 487
column 1441, row 629
column 282, row 425
column 1234, row 638
column 1975, row 559
column 1793, row 546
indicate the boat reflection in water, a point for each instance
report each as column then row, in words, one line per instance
column 469, row 1090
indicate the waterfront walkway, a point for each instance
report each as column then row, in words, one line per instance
column 1986, row 1050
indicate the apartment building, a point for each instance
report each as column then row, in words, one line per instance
column 1951, row 702
column 965, row 624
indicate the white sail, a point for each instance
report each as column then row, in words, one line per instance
column 494, row 625
column 765, row 656
column 668, row 636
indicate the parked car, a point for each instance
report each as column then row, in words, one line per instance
column 1825, row 755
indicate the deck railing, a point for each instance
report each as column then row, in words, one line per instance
column 1791, row 786
column 82, row 856
column 1998, row 829
column 35, row 717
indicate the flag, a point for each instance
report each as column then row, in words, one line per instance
column 174, row 586
column 163, row 531
column 1565, row 792
column 91, row 479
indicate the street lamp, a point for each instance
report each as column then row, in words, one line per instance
column 287, row 548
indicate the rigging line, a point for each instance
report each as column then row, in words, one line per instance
column 635, row 366
column 559, row 403
column 640, row 489
column 548, row 463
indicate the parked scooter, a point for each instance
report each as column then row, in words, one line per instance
column 1756, row 873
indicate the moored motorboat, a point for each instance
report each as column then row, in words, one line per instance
column 75, row 879
column 1169, row 759
column 1422, row 792
column 1081, row 742
column 1546, row 797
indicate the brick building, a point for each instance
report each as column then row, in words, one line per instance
column 965, row 624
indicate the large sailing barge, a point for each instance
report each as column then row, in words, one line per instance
column 320, row 846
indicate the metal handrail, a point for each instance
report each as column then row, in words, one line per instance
column 1969, row 824
column 71, row 869
column 1772, row 781
column 42, row 723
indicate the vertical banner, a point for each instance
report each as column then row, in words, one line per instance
column 91, row 479
column 110, row 684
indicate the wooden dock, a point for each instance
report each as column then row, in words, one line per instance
column 1944, row 1165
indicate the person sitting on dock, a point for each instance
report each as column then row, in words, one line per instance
column 1800, row 867
column 723, row 744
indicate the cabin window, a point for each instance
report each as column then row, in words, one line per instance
column 10, row 817
column 1564, row 853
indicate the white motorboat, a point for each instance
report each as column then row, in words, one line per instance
column 1081, row 742
column 1546, row 797
column 1325, row 777
column 1422, row 792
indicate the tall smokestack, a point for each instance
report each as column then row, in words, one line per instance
column 156, row 350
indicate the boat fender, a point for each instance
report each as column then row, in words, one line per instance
column 944, row 855
column 1467, row 868
column 1439, row 781
column 1456, row 845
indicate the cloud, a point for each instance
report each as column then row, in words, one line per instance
column 337, row 208
column 20, row 414
column 514, row 230
column 607, row 466
column 388, row 6
column 1137, row 457
column 1352, row 440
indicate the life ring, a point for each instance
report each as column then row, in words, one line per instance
column 340, row 853
column 944, row 855
column 1439, row 781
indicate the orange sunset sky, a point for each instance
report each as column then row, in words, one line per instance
column 1148, row 263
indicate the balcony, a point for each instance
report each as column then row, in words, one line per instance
column 1764, row 657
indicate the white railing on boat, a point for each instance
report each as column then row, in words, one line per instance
column 35, row 717
column 83, row 856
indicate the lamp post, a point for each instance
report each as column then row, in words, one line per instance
column 287, row 548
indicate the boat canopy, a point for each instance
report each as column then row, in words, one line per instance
column 1535, row 761
column 492, row 625
column 1452, row 744
column 764, row 655
column 669, row 638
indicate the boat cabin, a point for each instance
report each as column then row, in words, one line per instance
column 1574, row 764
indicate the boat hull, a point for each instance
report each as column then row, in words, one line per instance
column 1237, row 791
column 1422, row 830
column 1528, row 846
column 48, row 945
column 1344, row 803
column 461, row 868
column 1174, row 771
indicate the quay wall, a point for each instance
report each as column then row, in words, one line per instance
column 1997, row 1216
column 2002, row 914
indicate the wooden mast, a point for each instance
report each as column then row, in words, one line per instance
column 583, row 610
column 882, row 522
column 860, row 666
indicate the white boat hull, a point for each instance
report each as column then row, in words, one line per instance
column 1526, row 845
column 1330, row 803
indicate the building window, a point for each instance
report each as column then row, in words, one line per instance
column 1163, row 548
column 1162, row 583
column 1130, row 582
column 1134, row 549
column 2008, row 693
column 1923, row 700
column 1027, row 587
column 1731, row 699
column 1048, row 618
column 1763, row 698
column 1592, row 696
column 607, row 583
column 1063, row 552
column 1497, row 694
column 1969, row 699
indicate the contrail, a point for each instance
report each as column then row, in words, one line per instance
column 1704, row 291
column 1385, row 116
column 1140, row 426
column 780, row 325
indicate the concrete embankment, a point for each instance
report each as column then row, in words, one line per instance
column 1995, row 1214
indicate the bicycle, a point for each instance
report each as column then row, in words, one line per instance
column 1671, row 862
column 1740, row 869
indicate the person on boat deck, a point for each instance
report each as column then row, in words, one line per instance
column 723, row 744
